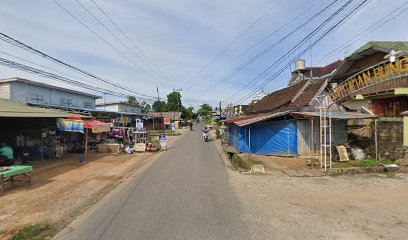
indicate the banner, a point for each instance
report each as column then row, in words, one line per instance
column 100, row 129
column 69, row 125
column 139, row 125
column 166, row 121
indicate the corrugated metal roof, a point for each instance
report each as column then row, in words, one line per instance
column 13, row 109
column 259, row 118
column 338, row 115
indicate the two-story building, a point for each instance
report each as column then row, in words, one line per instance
column 125, row 113
column 30, row 92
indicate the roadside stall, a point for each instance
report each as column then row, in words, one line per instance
column 76, row 124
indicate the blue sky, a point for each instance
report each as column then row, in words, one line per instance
column 181, row 37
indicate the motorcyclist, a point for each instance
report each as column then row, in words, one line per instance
column 205, row 131
column 6, row 155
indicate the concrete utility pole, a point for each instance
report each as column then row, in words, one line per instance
column 178, row 101
column 161, row 114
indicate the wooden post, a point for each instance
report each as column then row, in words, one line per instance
column 376, row 140
column 86, row 141
column 249, row 141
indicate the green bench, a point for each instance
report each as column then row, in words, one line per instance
column 9, row 174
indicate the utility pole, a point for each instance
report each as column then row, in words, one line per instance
column 161, row 114
column 178, row 102
column 220, row 111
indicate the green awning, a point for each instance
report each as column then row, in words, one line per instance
column 13, row 109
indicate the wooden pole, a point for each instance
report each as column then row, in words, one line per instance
column 86, row 141
column 376, row 140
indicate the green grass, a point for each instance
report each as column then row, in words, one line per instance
column 362, row 163
column 36, row 232
column 244, row 163
column 160, row 132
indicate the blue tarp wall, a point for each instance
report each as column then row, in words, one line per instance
column 267, row 138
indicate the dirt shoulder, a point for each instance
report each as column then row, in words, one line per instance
column 365, row 206
column 63, row 189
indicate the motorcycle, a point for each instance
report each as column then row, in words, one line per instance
column 205, row 135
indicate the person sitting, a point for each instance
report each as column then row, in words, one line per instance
column 6, row 155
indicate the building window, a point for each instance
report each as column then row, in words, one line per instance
column 88, row 105
column 37, row 98
column 67, row 102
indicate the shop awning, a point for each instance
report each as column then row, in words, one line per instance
column 12, row 109
column 95, row 125
column 338, row 115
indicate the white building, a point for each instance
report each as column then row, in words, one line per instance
column 31, row 92
column 120, row 107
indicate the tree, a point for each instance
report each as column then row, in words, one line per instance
column 159, row 106
column 204, row 111
column 173, row 102
column 132, row 100
column 145, row 107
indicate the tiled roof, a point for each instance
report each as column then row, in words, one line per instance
column 322, row 71
column 281, row 100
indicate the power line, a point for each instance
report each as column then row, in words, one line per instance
column 392, row 15
column 294, row 48
column 22, row 67
column 236, row 57
column 113, row 34
column 101, row 38
column 263, row 52
column 305, row 50
column 8, row 39
column 129, row 39
column 247, row 29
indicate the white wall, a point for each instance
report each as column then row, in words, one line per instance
column 121, row 108
column 127, row 108
column 5, row 91
column 27, row 93
column 113, row 108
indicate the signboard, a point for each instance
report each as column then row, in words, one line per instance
column 343, row 154
column 379, row 73
column 163, row 142
column 166, row 121
column 70, row 125
column 139, row 125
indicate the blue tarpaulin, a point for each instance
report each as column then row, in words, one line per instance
column 267, row 138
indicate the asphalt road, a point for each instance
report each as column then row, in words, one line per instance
column 185, row 194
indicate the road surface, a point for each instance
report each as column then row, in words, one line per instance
column 185, row 194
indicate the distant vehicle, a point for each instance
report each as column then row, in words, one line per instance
column 205, row 134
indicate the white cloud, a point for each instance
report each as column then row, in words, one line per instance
column 180, row 37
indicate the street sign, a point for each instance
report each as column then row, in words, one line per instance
column 163, row 142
